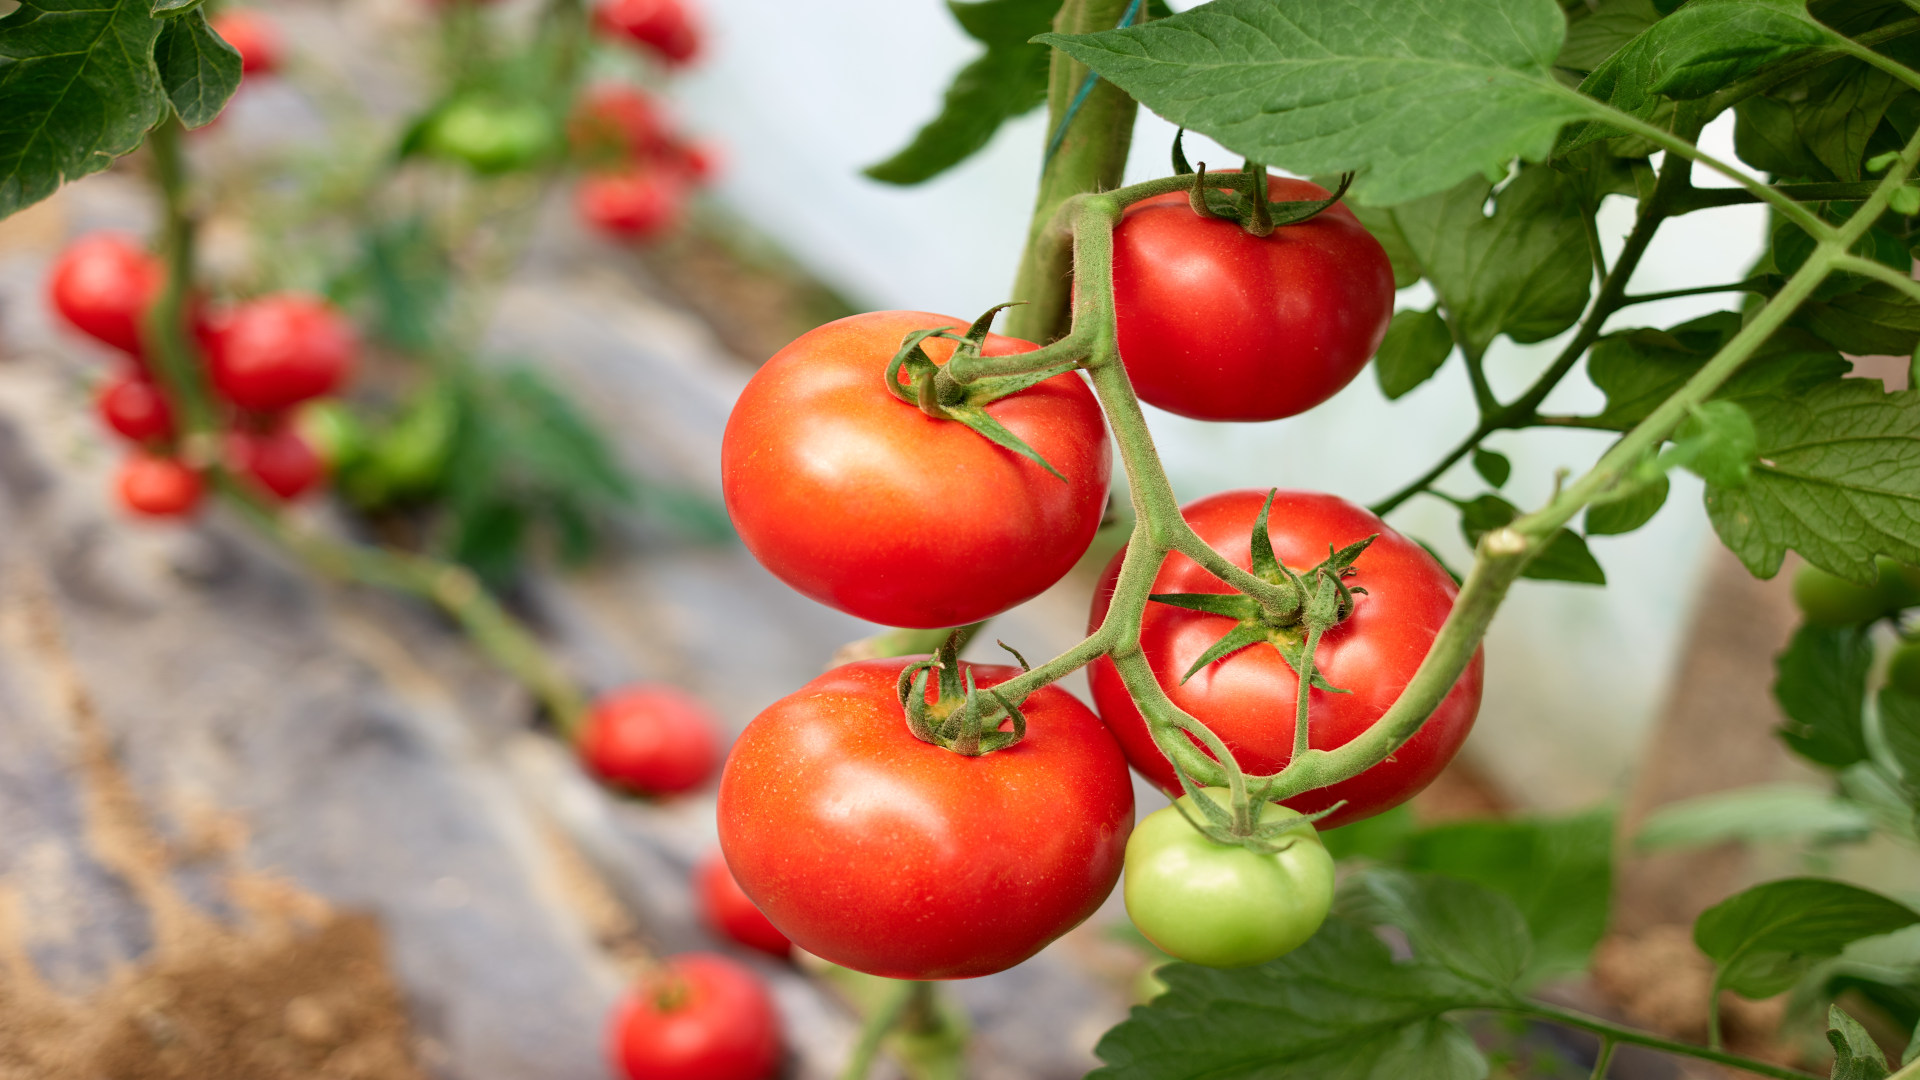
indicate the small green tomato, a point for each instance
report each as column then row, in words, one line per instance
column 1903, row 668
column 1828, row 600
column 491, row 137
column 1224, row 905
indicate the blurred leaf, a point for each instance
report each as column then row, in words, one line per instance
column 1855, row 1055
column 1900, row 729
column 1765, row 938
column 1417, row 343
column 1630, row 512
column 1006, row 81
column 1762, row 814
column 198, row 68
column 1382, row 837
column 1492, row 466
column 1596, row 31
column 1820, row 682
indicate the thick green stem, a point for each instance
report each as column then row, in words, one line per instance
column 1092, row 156
column 175, row 362
column 879, row 1023
column 1632, row 1037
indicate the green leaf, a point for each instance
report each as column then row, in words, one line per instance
column 1557, row 871
column 1762, row 814
column 1337, row 1006
column 1524, row 271
column 1379, row 221
column 1900, row 728
column 1873, row 320
column 1414, row 97
column 1492, row 466
column 1382, row 837
column 1838, row 480
column 1597, row 31
column 198, row 68
column 166, row 8
column 80, row 88
column 1816, row 126
column 1855, row 1055
column 1564, row 558
column 1820, row 682
column 1630, row 512
column 1340, row 1005
column 1639, row 369
column 1718, row 443
column 1006, row 81
column 1765, row 938
column 1417, row 343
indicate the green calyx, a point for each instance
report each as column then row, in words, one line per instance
column 1242, row 197
column 1315, row 602
column 961, row 717
column 1244, row 821
column 915, row 379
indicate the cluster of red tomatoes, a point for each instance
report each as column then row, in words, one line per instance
column 640, row 170
column 874, row 848
column 263, row 357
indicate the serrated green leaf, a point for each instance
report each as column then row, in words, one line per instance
column 1630, row 512
column 1417, row 343
column 1008, row 80
column 1820, row 682
column 1413, row 97
column 1873, row 320
column 1855, row 1055
column 1597, row 31
column 80, row 88
column 1838, row 480
column 198, row 68
column 1765, row 938
column 1639, row 369
column 1492, row 466
column 1769, row 813
column 1524, row 271
column 1340, row 1005
column 1557, row 871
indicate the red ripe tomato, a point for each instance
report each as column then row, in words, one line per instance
column 135, row 408
column 103, row 284
column 617, row 122
column 897, row 857
column 1247, row 698
column 663, row 26
column 1218, row 324
column 697, row 1017
column 650, row 738
column 637, row 204
column 730, row 914
column 282, row 462
column 158, row 486
column 699, row 161
column 253, row 36
column 278, row 351
column 865, row 503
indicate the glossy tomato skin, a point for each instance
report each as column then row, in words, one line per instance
column 135, row 408
column 867, row 504
column 155, row 486
column 650, row 738
column 282, row 462
column 103, row 285
column 1247, row 698
column 728, row 912
column 1224, row 905
column 634, row 204
column 1218, row 324
column 665, row 27
column 699, row 1017
column 879, row 852
column 253, row 36
column 278, row 351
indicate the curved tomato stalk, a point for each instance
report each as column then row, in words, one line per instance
column 1240, row 822
column 957, row 719
column 1252, row 210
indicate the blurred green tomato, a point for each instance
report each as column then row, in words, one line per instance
column 491, row 137
column 333, row 431
column 1829, row 600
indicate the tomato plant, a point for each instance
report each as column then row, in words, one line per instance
column 884, row 853
column 650, row 738
column 1217, row 323
column 696, row 1017
column 1247, row 695
column 727, row 911
column 972, row 530
column 276, row 352
column 1225, row 904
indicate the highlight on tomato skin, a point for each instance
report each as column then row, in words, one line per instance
column 696, row 1016
column 650, row 739
column 879, row 852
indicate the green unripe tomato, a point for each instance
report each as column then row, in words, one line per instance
column 333, row 431
column 1903, row 670
column 412, row 454
column 491, row 137
column 1829, row 600
column 1224, row 905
